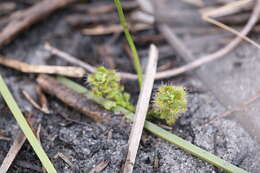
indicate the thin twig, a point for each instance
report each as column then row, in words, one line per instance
column 65, row 158
column 100, row 167
column 232, row 6
column 28, row 68
column 141, row 110
column 69, row 58
column 33, row 103
column 114, row 28
column 42, row 99
column 78, row 62
column 238, row 108
column 213, row 21
column 30, row 16
column 13, row 151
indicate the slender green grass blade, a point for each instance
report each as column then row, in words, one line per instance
column 130, row 41
column 25, row 127
column 160, row 132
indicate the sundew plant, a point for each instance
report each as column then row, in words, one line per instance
column 106, row 83
column 169, row 103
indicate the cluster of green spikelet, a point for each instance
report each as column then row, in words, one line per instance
column 106, row 83
column 169, row 101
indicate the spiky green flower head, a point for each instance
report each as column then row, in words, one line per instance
column 106, row 83
column 169, row 103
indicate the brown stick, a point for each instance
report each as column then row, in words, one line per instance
column 15, row 148
column 71, row 98
column 99, row 167
column 30, row 16
column 33, row 103
column 28, row 68
column 77, row 20
column 78, row 62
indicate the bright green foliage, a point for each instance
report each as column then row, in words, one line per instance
column 106, row 83
column 169, row 103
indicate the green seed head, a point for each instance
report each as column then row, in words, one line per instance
column 106, row 83
column 169, row 103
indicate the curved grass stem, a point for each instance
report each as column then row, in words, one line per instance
column 130, row 41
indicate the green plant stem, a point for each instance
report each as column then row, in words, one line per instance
column 130, row 41
column 160, row 132
column 25, row 127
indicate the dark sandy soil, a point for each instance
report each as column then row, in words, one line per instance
column 85, row 142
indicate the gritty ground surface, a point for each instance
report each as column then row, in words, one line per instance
column 86, row 143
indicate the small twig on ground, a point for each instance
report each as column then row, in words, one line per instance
column 223, row 10
column 34, row 104
column 28, row 68
column 238, row 108
column 38, row 132
column 71, row 98
column 15, row 148
column 230, row 8
column 4, row 137
column 114, row 28
column 30, row 16
column 78, row 62
column 38, row 136
column 42, row 99
column 99, row 167
column 65, row 158
column 69, row 58
column 235, row 19
column 213, row 21
column 80, row 20
column 141, row 110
